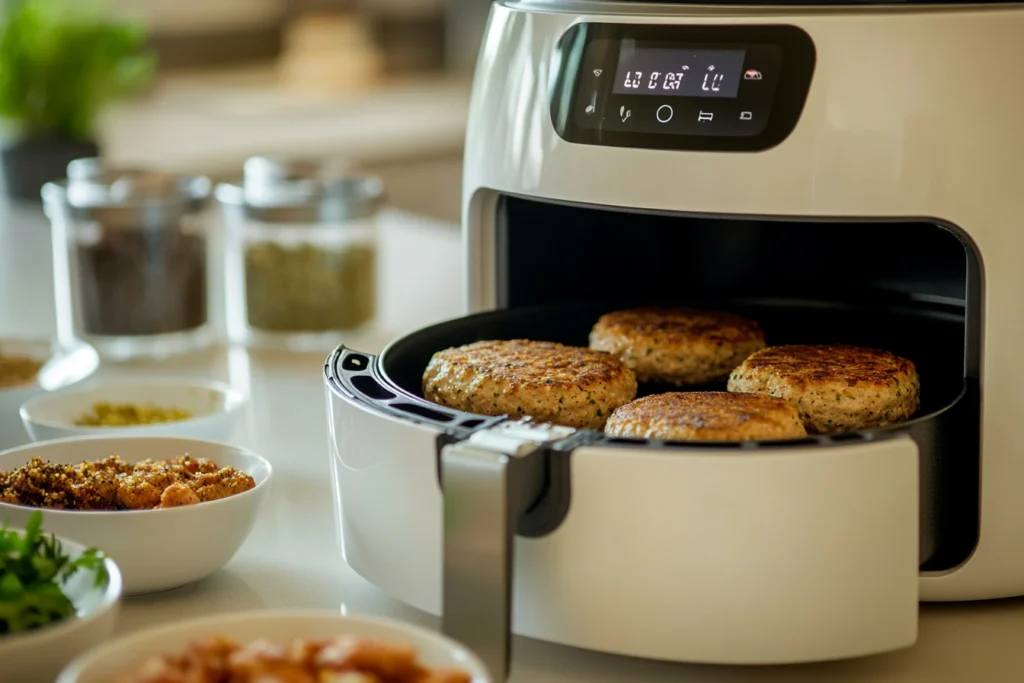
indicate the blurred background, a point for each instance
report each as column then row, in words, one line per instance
column 376, row 88
column 379, row 84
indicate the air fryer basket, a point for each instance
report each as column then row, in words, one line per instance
column 932, row 335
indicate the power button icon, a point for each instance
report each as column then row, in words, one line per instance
column 664, row 113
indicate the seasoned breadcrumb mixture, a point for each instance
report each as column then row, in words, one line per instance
column 112, row 484
column 345, row 659
column 128, row 414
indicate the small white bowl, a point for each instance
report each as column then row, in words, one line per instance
column 122, row 656
column 63, row 366
column 215, row 407
column 38, row 656
column 157, row 550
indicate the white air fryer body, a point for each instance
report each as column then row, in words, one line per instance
column 792, row 555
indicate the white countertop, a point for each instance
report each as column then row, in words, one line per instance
column 292, row 558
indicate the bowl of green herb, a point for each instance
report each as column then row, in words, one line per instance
column 57, row 600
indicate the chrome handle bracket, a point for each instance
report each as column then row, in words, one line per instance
column 489, row 480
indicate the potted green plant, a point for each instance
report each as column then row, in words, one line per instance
column 61, row 63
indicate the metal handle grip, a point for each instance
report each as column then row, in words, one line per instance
column 484, row 493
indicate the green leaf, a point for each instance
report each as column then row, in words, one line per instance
column 35, row 608
column 33, row 530
column 33, row 567
column 10, row 586
column 96, row 562
column 63, row 61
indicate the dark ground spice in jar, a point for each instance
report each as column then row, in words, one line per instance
column 309, row 288
column 142, row 282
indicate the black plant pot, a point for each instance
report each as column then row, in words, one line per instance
column 28, row 164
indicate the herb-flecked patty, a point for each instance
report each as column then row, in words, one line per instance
column 835, row 388
column 707, row 416
column 550, row 382
column 681, row 346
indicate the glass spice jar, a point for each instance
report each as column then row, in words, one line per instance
column 130, row 259
column 301, row 261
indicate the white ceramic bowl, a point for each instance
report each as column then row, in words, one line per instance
column 64, row 367
column 157, row 550
column 106, row 663
column 38, row 656
column 216, row 409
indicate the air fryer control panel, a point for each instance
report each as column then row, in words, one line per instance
column 715, row 88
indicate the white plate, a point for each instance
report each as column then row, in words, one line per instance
column 64, row 366
column 215, row 408
column 156, row 550
column 122, row 656
column 38, row 656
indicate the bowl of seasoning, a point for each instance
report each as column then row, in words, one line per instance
column 168, row 511
column 32, row 367
column 196, row 409
column 301, row 254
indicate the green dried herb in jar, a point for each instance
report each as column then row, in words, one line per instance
column 301, row 253
column 309, row 288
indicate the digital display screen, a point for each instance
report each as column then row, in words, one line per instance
column 680, row 72
column 678, row 87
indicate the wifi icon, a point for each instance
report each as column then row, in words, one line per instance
column 597, row 72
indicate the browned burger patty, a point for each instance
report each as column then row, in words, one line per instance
column 681, row 346
column 565, row 385
column 707, row 416
column 835, row 388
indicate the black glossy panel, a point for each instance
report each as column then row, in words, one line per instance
column 728, row 88
column 676, row 257
column 370, row 387
column 422, row 411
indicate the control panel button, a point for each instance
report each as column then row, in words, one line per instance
column 705, row 116
column 752, row 75
column 746, row 116
column 664, row 113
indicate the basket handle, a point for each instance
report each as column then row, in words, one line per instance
column 485, row 492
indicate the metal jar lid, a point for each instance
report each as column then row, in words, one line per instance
column 277, row 190
column 127, row 197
